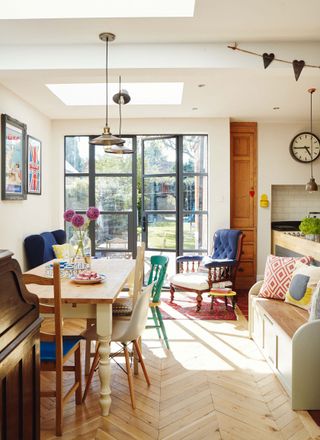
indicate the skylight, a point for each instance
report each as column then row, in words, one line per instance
column 36, row 9
column 157, row 93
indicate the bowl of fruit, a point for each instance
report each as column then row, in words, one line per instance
column 88, row 277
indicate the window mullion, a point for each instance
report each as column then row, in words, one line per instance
column 92, row 195
column 180, row 194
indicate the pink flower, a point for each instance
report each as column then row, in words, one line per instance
column 93, row 213
column 77, row 220
column 69, row 213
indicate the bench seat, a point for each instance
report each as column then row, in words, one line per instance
column 287, row 316
column 289, row 343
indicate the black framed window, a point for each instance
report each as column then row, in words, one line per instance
column 158, row 195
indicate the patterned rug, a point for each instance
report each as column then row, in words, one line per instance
column 242, row 301
column 184, row 307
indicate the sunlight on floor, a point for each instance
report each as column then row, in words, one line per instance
column 212, row 343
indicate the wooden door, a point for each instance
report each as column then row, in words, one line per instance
column 243, row 173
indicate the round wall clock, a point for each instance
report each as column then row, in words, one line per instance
column 300, row 147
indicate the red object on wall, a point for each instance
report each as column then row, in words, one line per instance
column 252, row 192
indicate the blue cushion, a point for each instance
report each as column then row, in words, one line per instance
column 225, row 245
column 39, row 247
column 189, row 258
column 221, row 262
column 48, row 349
column 60, row 236
column 49, row 241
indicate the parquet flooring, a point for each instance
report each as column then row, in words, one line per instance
column 212, row 385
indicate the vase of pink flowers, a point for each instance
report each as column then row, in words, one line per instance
column 80, row 243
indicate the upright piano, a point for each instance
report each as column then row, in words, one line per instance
column 19, row 355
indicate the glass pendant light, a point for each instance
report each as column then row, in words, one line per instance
column 107, row 139
column 311, row 186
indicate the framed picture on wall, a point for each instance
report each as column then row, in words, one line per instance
column 13, row 159
column 34, row 166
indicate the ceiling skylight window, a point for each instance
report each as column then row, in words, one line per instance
column 157, row 93
column 36, row 9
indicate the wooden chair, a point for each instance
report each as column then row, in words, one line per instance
column 56, row 350
column 124, row 332
column 218, row 270
column 121, row 308
column 159, row 264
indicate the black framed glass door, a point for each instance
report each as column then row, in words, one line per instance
column 160, row 199
column 174, row 211
column 107, row 181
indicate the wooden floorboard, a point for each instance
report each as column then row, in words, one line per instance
column 212, row 385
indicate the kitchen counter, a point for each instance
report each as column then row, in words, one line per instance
column 286, row 245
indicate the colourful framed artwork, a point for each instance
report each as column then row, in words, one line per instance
column 13, row 159
column 34, row 166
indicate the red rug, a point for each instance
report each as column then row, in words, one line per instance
column 242, row 301
column 184, row 307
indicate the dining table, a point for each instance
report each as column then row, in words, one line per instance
column 92, row 301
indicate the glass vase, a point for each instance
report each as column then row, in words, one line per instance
column 80, row 246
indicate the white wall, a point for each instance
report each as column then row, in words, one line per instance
column 276, row 167
column 36, row 214
column 218, row 144
column 292, row 202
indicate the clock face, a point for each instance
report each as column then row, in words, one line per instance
column 305, row 147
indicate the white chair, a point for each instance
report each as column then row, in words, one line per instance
column 125, row 332
column 124, row 306
column 121, row 308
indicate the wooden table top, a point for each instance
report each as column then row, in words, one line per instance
column 117, row 272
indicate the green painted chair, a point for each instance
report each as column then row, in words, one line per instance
column 158, row 271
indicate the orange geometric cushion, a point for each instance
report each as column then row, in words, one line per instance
column 278, row 274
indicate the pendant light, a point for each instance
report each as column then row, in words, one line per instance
column 311, row 186
column 120, row 98
column 107, row 139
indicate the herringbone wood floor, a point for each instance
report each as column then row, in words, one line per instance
column 213, row 384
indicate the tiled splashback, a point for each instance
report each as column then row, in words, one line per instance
column 292, row 202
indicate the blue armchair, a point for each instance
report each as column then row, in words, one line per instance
column 200, row 274
column 38, row 247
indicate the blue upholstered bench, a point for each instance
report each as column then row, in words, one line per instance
column 39, row 246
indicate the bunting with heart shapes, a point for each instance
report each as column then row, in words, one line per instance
column 297, row 68
column 267, row 59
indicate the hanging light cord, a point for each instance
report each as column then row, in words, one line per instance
column 107, row 82
column 120, row 109
column 311, row 93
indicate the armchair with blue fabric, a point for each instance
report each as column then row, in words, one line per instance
column 39, row 249
column 200, row 274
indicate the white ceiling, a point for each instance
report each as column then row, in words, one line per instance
column 192, row 50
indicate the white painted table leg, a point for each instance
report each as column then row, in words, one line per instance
column 104, row 330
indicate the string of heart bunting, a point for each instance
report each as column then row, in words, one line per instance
column 297, row 65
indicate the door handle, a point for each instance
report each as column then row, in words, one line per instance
column 144, row 223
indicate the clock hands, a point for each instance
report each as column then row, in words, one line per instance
column 308, row 150
column 304, row 148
